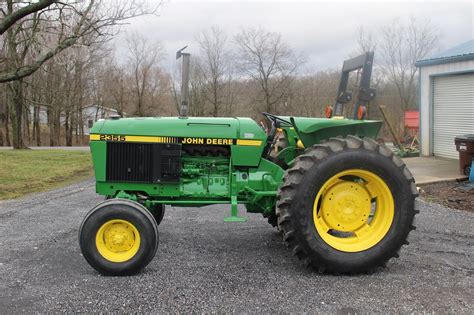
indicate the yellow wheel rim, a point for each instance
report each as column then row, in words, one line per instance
column 353, row 211
column 117, row 240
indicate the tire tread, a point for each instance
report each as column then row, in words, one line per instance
column 295, row 176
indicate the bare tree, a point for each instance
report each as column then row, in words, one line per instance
column 4, row 117
column 366, row 41
column 71, row 21
column 143, row 62
column 36, row 32
column 267, row 60
column 398, row 45
column 197, row 86
column 63, row 86
column 116, row 87
column 311, row 94
column 401, row 45
column 216, row 66
column 231, row 93
column 11, row 17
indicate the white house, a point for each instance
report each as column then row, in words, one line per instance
column 90, row 114
column 446, row 99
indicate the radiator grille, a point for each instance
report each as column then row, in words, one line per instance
column 143, row 162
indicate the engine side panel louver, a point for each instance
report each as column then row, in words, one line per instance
column 143, row 162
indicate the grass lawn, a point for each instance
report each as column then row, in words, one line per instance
column 26, row 171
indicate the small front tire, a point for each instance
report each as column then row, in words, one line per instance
column 118, row 237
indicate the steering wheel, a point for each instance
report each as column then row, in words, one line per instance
column 275, row 123
column 274, row 118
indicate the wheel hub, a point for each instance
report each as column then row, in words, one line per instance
column 118, row 237
column 117, row 240
column 342, row 208
column 346, row 206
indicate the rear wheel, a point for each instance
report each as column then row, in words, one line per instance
column 118, row 237
column 272, row 219
column 346, row 206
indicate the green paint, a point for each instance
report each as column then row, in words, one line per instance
column 234, row 212
column 248, row 155
column 243, row 177
column 313, row 130
column 99, row 154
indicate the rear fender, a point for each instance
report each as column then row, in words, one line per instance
column 314, row 130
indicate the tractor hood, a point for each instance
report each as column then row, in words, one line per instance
column 196, row 127
column 246, row 138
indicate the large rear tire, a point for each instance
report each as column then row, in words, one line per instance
column 118, row 237
column 346, row 206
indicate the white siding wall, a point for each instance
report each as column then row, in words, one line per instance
column 427, row 75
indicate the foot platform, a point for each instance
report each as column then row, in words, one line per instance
column 235, row 219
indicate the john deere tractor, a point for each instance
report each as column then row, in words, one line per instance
column 344, row 203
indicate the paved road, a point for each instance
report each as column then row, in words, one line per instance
column 205, row 265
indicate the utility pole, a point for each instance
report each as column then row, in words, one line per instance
column 183, row 110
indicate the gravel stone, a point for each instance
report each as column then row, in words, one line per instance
column 206, row 265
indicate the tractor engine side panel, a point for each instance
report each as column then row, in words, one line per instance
column 205, row 177
column 163, row 170
column 188, row 161
column 188, row 175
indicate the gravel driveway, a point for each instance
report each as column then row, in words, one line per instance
column 204, row 265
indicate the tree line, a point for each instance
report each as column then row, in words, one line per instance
column 56, row 58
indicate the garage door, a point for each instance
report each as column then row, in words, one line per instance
column 453, row 112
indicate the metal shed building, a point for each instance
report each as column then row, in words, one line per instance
column 446, row 91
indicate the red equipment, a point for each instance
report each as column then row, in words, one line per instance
column 412, row 125
column 412, row 120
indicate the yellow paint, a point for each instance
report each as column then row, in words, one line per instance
column 193, row 141
column 117, row 240
column 96, row 137
column 145, row 139
column 338, row 117
column 345, row 206
column 299, row 144
column 185, row 140
column 219, row 141
column 255, row 143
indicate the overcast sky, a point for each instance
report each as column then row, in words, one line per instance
column 325, row 32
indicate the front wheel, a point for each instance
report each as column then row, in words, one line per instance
column 346, row 206
column 118, row 237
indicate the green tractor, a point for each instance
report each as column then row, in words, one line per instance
column 343, row 202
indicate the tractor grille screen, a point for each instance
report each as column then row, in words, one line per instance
column 143, row 162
